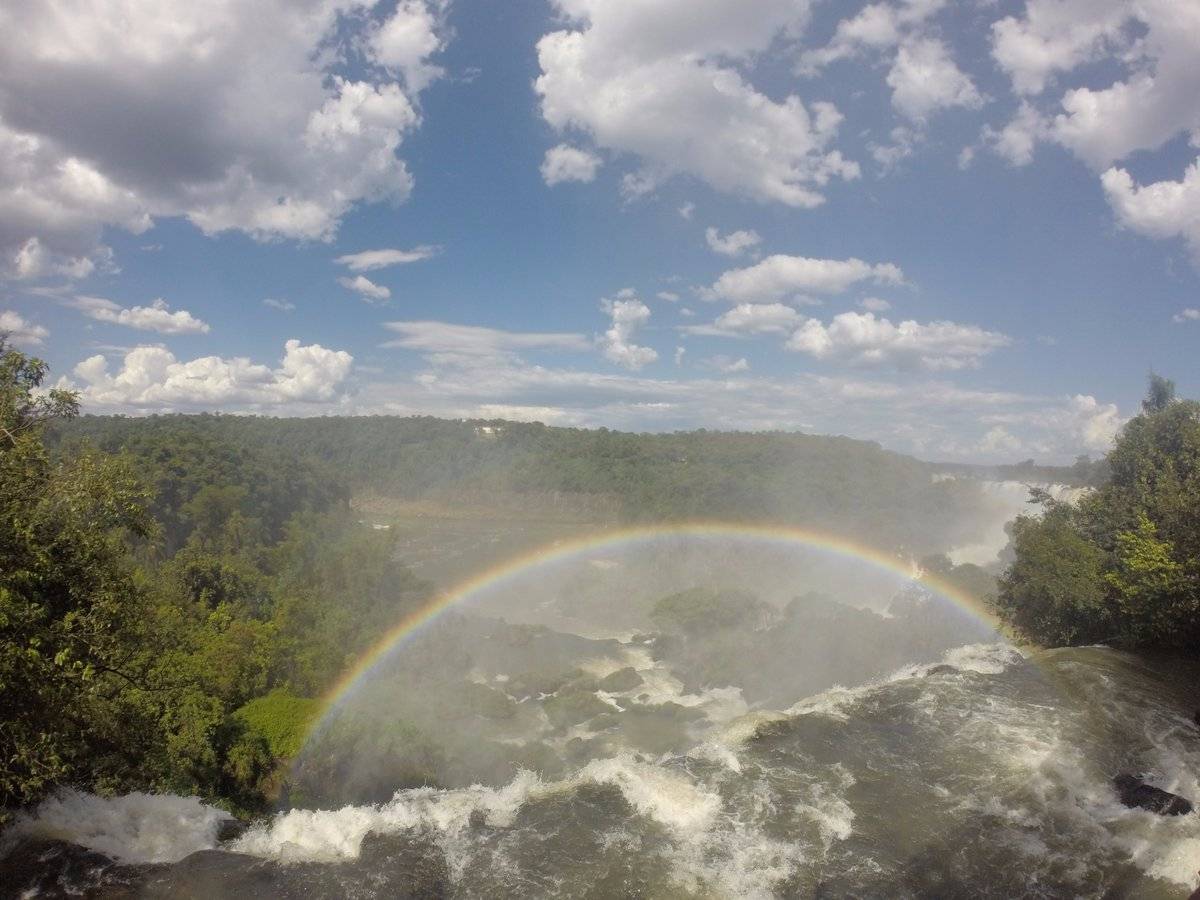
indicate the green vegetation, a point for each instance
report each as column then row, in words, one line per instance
column 1123, row 566
column 830, row 484
column 168, row 602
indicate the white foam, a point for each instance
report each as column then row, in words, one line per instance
column 134, row 828
column 656, row 792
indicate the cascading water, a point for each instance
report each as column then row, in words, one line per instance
column 983, row 774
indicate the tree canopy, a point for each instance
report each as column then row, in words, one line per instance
column 1123, row 566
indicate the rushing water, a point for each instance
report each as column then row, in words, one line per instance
column 984, row 774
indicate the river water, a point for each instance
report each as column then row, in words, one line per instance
column 982, row 773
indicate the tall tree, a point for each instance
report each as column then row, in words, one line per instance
column 73, row 660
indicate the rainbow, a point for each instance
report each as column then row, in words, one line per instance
column 619, row 538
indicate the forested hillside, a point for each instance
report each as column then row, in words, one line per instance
column 826, row 483
column 1123, row 566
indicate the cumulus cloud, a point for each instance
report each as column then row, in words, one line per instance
column 874, row 304
column 924, row 79
column 923, row 76
column 366, row 288
column 668, row 296
column 659, row 81
column 864, row 339
column 1055, row 36
column 1152, row 43
column 567, row 163
column 877, row 26
column 152, row 378
column 1017, row 140
column 280, row 305
column 628, row 316
column 155, row 317
column 369, row 260
column 404, row 42
column 1190, row 314
column 33, row 259
column 750, row 319
column 20, row 331
column 252, row 128
column 1079, row 421
column 1163, row 209
column 733, row 244
column 778, row 277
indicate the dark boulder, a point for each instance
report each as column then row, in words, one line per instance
column 230, row 830
column 45, row 867
column 621, row 680
column 1136, row 794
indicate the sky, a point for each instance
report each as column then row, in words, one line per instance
column 966, row 230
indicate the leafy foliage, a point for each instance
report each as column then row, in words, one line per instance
column 1124, row 566
column 152, row 588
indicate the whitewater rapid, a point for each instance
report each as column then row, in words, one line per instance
column 986, row 773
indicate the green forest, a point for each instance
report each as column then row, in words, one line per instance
column 165, row 609
column 177, row 591
column 1122, row 566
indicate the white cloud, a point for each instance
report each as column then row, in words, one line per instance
column 914, row 414
column 751, row 318
column 924, row 79
column 864, row 339
column 447, row 341
column 659, row 81
column 405, row 41
column 778, row 277
column 251, row 127
column 1190, row 314
column 733, row 244
column 922, row 74
column 155, row 317
column 1164, row 209
column 21, row 331
column 567, row 163
column 874, row 304
column 1080, row 421
column 628, row 316
column 151, row 378
column 679, row 352
column 1054, row 36
column 1017, row 140
column 727, row 365
column 280, row 305
column 668, row 296
column 877, row 26
column 33, row 259
column 999, row 441
column 1152, row 43
column 369, row 260
column 365, row 288
column 685, row 211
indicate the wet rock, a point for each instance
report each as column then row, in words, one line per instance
column 1136, row 794
column 45, row 867
column 231, row 830
column 621, row 680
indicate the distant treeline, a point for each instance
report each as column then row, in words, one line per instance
column 833, row 484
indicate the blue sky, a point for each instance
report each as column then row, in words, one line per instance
column 966, row 230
